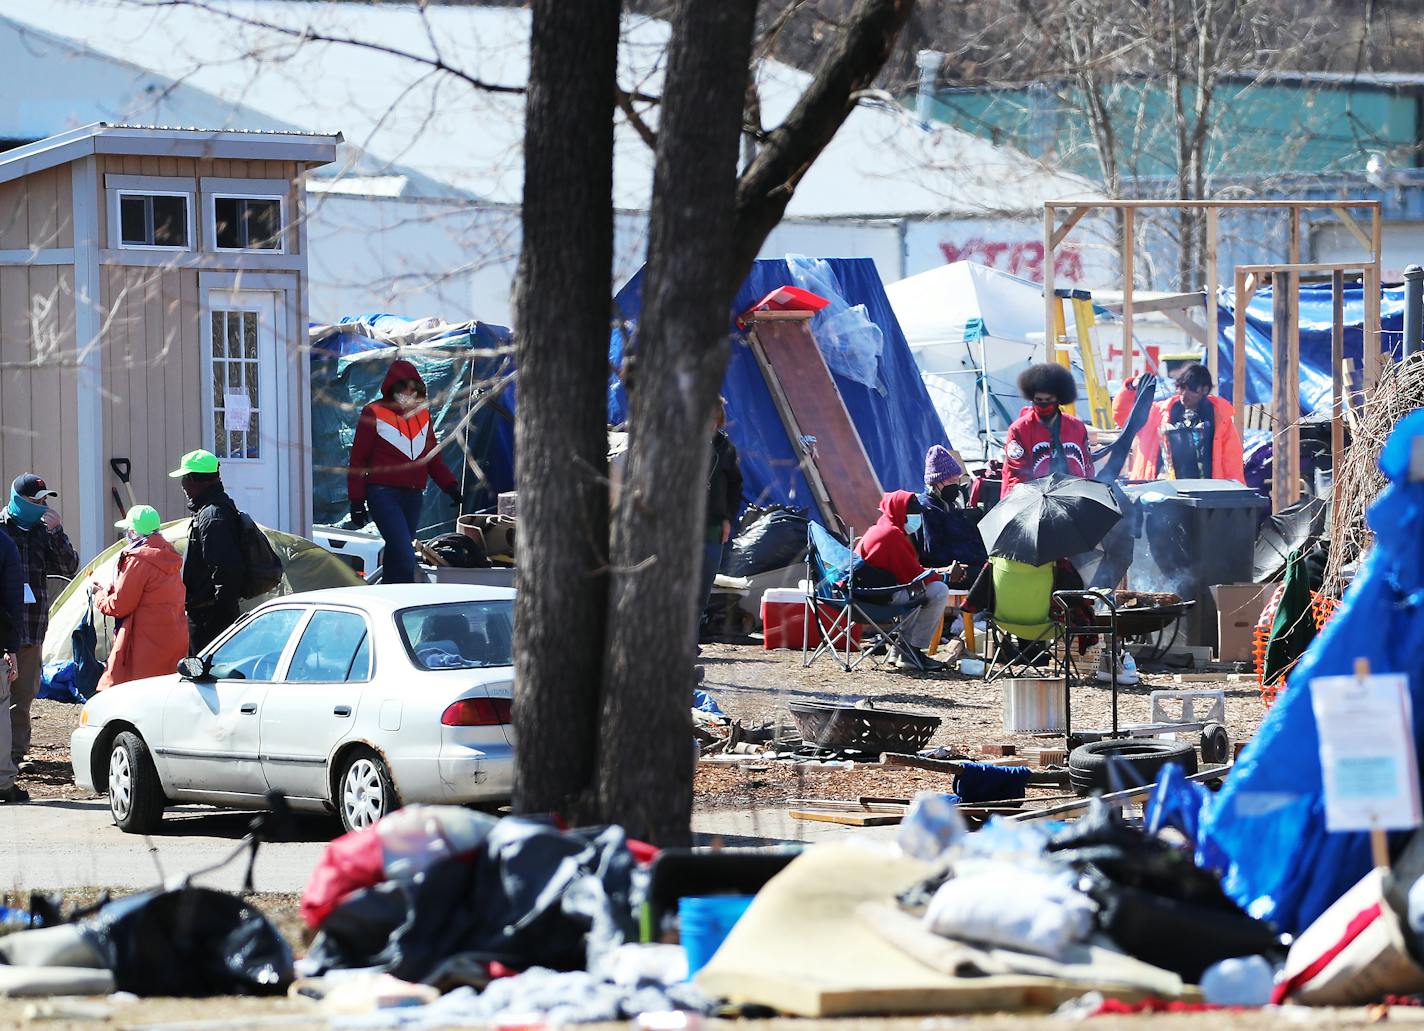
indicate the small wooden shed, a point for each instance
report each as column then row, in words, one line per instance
column 153, row 300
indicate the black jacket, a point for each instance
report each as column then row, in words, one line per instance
column 724, row 482
column 213, row 564
column 12, row 595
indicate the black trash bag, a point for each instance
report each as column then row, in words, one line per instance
column 459, row 551
column 532, row 896
column 766, row 539
column 189, row 942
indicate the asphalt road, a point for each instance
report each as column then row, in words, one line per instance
column 56, row 844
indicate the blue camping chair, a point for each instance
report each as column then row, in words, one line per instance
column 831, row 569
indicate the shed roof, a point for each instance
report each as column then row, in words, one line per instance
column 165, row 141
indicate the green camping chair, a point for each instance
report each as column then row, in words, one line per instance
column 1023, row 597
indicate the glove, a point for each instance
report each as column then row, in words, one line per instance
column 359, row 517
column 456, row 498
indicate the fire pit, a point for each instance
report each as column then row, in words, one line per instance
column 872, row 731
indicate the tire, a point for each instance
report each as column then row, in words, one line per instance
column 136, row 798
column 1135, row 762
column 364, row 791
column 1215, row 744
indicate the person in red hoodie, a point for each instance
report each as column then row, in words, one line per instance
column 887, row 547
column 1044, row 439
column 393, row 455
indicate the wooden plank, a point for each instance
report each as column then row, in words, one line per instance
column 150, row 425
column 1128, row 246
column 1215, row 773
column 163, row 459
column 46, row 405
column 819, row 411
column 191, row 434
column 1281, row 288
column 1337, row 370
column 1348, row 221
column 1238, row 353
column 1323, row 267
column 845, row 819
column 69, row 424
column 1061, row 233
column 1292, row 379
column 1131, row 205
column 1372, row 301
column 1212, row 331
column 15, row 389
column 1293, row 238
column 1051, row 306
column 15, row 215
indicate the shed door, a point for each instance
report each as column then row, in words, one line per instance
column 242, row 409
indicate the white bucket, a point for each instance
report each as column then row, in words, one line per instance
column 1034, row 706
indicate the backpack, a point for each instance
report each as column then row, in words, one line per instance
column 262, row 569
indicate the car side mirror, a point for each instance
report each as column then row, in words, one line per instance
column 193, row 668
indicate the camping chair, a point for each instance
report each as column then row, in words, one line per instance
column 834, row 605
column 1023, row 601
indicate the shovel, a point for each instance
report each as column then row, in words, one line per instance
column 122, row 468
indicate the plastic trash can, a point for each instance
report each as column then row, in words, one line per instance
column 1195, row 534
column 704, row 922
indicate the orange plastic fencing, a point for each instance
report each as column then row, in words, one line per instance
column 1322, row 609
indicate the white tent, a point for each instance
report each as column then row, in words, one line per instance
column 972, row 329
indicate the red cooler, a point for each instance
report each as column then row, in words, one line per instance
column 783, row 620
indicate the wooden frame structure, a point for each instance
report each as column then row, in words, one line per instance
column 1055, row 233
column 1285, row 282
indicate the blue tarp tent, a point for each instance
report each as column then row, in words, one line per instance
column 347, row 367
column 896, row 420
column 1268, row 821
column 1315, row 321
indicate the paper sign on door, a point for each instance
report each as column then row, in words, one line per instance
column 238, row 411
column 1367, row 755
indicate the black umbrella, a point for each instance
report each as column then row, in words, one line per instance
column 1044, row 520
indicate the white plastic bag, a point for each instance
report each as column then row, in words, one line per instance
column 849, row 341
column 1013, row 908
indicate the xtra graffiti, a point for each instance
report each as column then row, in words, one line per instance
column 1017, row 257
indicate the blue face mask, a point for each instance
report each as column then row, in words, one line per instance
column 912, row 522
column 24, row 511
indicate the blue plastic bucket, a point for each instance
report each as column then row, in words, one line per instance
column 704, row 923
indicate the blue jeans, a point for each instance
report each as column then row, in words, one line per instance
column 711, row 562
column 396, row 511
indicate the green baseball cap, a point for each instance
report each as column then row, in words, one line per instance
column 141, row 519
column 199, row 461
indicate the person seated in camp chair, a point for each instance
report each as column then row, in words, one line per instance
column 888, row 549
column 948, row 537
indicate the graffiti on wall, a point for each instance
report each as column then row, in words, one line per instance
column 1017, row 257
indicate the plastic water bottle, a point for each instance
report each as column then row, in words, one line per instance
column 1246, row 981
column 1129, row 667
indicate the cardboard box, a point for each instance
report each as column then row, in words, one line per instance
column 1238, row 606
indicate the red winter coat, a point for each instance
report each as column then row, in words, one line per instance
column 886, row 545
column 148, row 596
column 1026, row 452
column 392, row 449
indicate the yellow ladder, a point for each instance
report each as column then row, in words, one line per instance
column 1099, row 400
column 1058, row 346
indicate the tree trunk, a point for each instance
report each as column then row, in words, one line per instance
column 646, row 758
column 561, row 443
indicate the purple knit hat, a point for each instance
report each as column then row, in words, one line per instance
column 941, row 465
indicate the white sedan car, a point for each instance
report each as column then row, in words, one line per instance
column 357, row 700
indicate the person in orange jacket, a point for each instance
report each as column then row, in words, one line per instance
column 1191, row 435
column 147, row 596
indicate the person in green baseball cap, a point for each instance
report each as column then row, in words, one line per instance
column 147, row 594
column 213, row 565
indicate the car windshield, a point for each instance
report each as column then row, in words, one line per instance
column 459, row 635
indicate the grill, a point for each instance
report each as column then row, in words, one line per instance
column 871, row 731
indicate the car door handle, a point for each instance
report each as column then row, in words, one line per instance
column 341, row 710
column 248, row 708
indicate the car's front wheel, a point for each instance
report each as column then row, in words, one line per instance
column 364, row 790
column 135, row 793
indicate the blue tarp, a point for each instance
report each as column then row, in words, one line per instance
column 1268, row 821
column 1315, row 322
column 896, row 420
column 346, row 373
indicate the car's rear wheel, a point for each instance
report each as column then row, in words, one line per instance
column 135, row 793
column 364, row 790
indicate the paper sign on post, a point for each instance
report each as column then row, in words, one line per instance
column 238, row 411
column 1367, row 756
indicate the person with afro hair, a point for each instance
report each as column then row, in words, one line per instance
column 1044, row 439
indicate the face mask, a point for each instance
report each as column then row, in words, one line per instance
column 408, row 400
column 912, row 522
column 25, row 512
column 1046, row 411
column 133, row 537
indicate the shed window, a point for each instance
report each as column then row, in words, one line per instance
column 247, row 223
column 153, row 220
